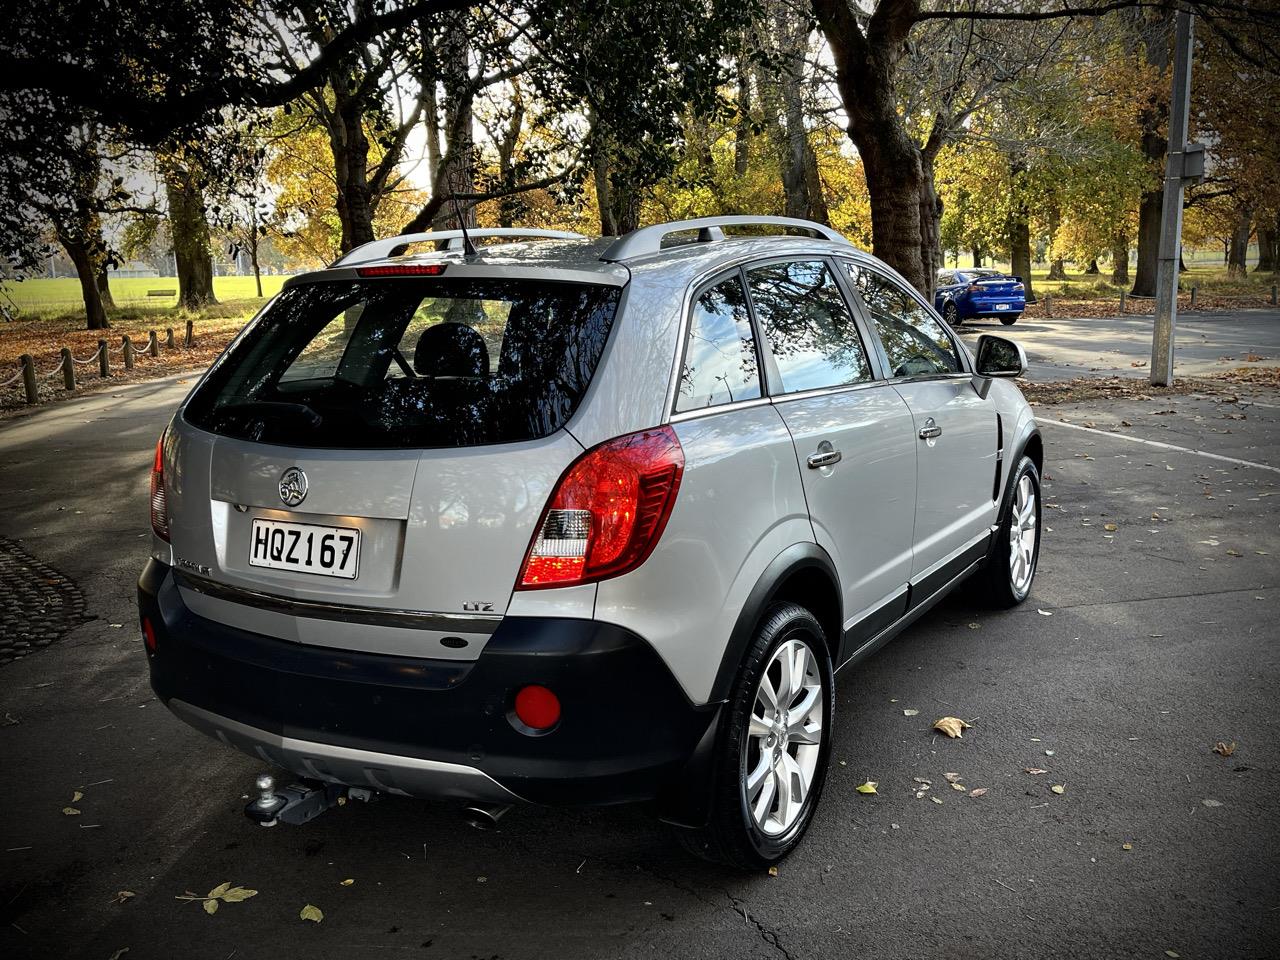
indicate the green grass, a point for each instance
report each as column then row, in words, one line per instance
column 45, row 297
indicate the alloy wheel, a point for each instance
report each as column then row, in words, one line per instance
column 1023, row 531
column 784, row 738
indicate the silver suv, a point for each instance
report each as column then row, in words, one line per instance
column 578, row 521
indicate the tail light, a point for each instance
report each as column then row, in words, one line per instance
column 159, row 505
column 607, row 512
column 1018, row 287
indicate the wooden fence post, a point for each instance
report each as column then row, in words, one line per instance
column 1194, row 291
column 153, row 344
column 1048, row 305
column 168, row 338
column 1122, row 299
column 104, row 362
column 29, row 378
column 1273, row 294
column 191, row 334
column 68, row 369
column 128, row 352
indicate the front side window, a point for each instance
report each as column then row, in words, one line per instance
column 916, row 343
column 808, row 326
column 720, row 354
column 409, row 363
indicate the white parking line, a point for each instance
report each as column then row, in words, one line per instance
column 1162, row 446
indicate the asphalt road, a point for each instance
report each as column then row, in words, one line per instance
column 1139, row 649
column 1062, row 348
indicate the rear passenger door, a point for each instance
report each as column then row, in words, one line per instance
column 955, row 429
column 853, row 436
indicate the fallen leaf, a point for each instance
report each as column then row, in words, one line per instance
column 868, row 787
column 1044, row 613
column 238, row 894
column 123, row 895
column 1211, row 803
column 910, row 713
column 974, row 626
column 76, row 796
column 1058, row 788
column 1109, row 526
column 951, row 726
column 348, row 882
column 219, row 890
column 773, row 871
column 312, row 913
column 1225, row 749
column 1035, row 771
column 119, row 953
column 952, row 777
column 1173, row 953
column 211, row 906
column 1048, row 753
column 980, row 792
column 927, row 783
column 959, row 786
column 936, row 799
column 1233, row 553
column 1126, row 846
column 70, row 812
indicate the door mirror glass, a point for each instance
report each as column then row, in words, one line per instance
column 1000, row 357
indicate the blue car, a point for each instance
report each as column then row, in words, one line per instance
column 979, row 292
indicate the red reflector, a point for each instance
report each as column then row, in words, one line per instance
column 159, row 502
column 149, row 634
column 607, row 512
column 403, row 270
column 537, row 707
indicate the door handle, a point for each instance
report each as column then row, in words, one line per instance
column 823, row 458
column 930, row 430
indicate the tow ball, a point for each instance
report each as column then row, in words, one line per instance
column 299, row 802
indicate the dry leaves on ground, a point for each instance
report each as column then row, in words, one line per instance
column 951, row 726
column 222, row 893
column 1225, row 749
column 311, row 912
column 868, row 787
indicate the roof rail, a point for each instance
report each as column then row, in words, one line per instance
column 392, row 246
column 646, row 240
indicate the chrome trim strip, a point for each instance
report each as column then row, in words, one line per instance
column 390, row 773
column 701, row 412
column 346, row 613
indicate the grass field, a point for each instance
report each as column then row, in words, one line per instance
column 50, row 297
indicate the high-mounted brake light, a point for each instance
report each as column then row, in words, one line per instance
column 403, row 270
column 159, row 504
column 607, row 512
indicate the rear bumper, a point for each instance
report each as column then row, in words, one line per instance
column 992, row 308
column 434, row 728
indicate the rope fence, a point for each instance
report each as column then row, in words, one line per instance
column 129, row 354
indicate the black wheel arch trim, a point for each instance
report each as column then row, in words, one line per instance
column 795, row 558
column 1011, row 470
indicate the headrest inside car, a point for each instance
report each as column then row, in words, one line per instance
column 451, row 350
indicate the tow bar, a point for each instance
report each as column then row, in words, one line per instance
column 298, row 802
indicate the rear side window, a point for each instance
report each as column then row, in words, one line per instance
column 410, row 363
column 916, row 343
column 808, row 326
column 720, row 354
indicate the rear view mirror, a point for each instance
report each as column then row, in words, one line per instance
column 999, row 357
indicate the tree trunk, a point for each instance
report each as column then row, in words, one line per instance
column 1057, row 269
column 1120, row 264
column 104, row 287
column 904, row 205
column 742, row 122
column 1152, row 118
column 617, row 197
column 1268, row 234
column 1020, row 228
column 1092, row 269
column 977, row 256
column 457, row 165
column 1237, row 263
column 190, row 232
column 82, row 259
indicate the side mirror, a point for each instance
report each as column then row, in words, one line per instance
column 999, row 357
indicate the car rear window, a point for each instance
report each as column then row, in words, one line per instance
column 415, row 362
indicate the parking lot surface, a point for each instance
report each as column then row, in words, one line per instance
column 1150, row 637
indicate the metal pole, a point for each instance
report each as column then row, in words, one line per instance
column 1162, row 342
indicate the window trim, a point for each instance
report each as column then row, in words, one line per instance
column 686, row 327
column 966, row 371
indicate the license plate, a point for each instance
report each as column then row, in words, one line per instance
column 305, row 547
column 1002, row 306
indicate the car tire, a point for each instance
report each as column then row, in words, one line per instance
column 951, row 314
column 1011, row 564
column 1010, row 319
column 752, row 825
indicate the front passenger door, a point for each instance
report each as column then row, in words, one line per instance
column 955, row 429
